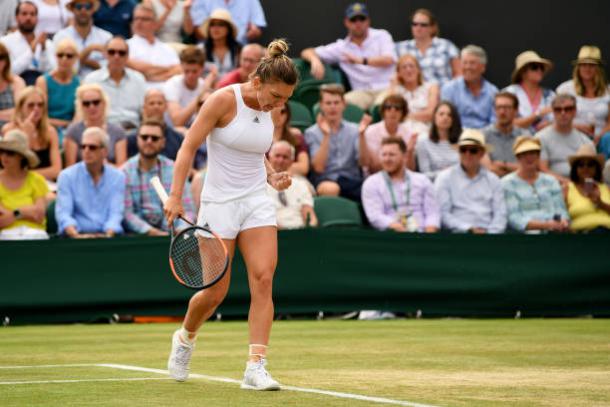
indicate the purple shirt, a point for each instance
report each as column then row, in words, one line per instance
column 381, row 210
column 362, row 77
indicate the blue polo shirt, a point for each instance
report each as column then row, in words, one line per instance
column 475, row 112
column 117, row 19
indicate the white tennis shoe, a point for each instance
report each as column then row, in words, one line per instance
column 256, row 377
column 179, row 358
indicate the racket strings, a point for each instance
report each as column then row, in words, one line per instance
column 198, row 258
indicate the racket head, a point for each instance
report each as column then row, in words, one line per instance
column 198, row 257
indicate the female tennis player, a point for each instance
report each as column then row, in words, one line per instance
column 240, row 120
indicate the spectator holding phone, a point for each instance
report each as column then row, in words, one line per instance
column 588, row 197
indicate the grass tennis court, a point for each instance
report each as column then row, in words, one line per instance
column 404, row 362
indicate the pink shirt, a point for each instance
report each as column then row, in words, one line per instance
column 377, row 132
column 230, row 78
column 362, row 77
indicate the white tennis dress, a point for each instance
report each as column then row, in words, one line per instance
column 234, row 194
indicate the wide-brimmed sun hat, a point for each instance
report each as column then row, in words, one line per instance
column 16, row 141
column 529, row 57
column 587, row 151
column 222, row 15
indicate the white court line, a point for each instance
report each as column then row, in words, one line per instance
column 352, row 396
column 124, row 379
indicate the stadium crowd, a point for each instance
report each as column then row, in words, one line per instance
column 96, row 96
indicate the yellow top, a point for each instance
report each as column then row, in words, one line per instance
column 33, row 187
column 584, row 214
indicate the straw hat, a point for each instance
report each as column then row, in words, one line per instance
column 17, row 141
column 96, row 4
column 222, row 15
column 472, row 137
column 526, row 143
column 529, row 57
column 589, row 54
column 587, row 151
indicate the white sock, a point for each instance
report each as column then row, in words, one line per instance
column 185, row 336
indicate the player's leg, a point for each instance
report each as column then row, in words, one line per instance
column 258, row 247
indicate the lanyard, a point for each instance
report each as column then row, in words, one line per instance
column 388, row 182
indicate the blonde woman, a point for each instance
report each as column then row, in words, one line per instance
column 60, row 84
column 422, row 97
column 10, row 86
column 92, row 107
column 31, row 117
column 590, row 87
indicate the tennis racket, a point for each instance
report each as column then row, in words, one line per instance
column 198, row 257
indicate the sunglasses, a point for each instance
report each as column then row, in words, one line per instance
column 120, row 52
column 357, row 18
column 587, row 164
column 536, row 67
column 62, row 55
column 218, row 24
column 94, row 102
column 92, row 147
column 565, row 109
column 7, row 152
column 32, row 105
column 392, row 106
column 151, row 137
column 470, row 150
column 83, row 6
column 416, row 24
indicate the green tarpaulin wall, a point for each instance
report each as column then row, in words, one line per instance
column 330, row 270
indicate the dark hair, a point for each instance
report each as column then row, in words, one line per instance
column 6, row 72
column 286, row 134
column 397, row 100
column 232, row 44
column 456, row 124
column 507, row 95
column 431, row 19
column 277, row 66
column 192, row 55
column 152, row 122
column 25, row 2
column 574, row 174
column 395, row 140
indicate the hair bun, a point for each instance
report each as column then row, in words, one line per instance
column 277, row 48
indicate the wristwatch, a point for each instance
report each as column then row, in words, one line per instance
column 17, row 214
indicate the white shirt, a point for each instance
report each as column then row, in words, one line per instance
column 95, row 36
column 297, row 195
column 175, row 90
column 22, row 57
column 51, row 18
column 157, row 53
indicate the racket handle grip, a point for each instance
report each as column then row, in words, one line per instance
column 158, row 187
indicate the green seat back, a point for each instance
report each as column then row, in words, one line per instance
column 352, row 113
column 51, row 221
column 300, row 115
column 336, row 211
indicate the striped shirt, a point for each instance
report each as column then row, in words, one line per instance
column 143, row 208
column 434, row 157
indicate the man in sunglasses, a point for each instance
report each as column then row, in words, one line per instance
column 367, row 56
column 89, row 38
column 30, row 53
column 143, row 208
column 562, row 139
column 125, row 87
column 471, row 197
column 90, row 193
column 294, row 205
